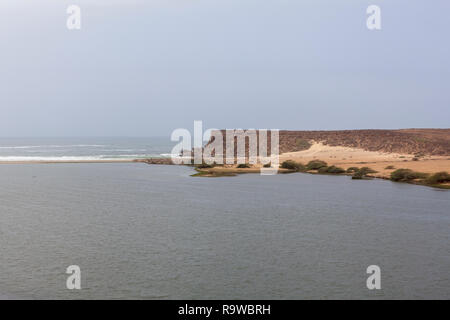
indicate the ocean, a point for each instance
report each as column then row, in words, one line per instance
column 80, row 149
column 141, row 231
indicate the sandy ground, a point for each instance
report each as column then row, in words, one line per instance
column 351, row 157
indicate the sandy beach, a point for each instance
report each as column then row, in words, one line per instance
column 353, row 157
column 346, row 157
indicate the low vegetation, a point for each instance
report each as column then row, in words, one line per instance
column 437, row 180
column 405, row 175
column 362, row 173
column 316, row 165
column 213, row 174
column 366, row 170
column 331, row 170
column 439, row 177
column 293, row 165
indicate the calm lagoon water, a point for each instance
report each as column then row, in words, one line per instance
column 153, row 232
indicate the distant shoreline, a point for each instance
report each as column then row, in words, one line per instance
column 339, row 159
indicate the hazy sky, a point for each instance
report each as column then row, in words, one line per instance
column 143, row 68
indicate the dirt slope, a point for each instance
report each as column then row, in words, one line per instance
column 404, row 141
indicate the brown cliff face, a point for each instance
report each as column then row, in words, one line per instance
column 405, row 141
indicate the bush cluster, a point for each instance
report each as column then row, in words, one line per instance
column 316, row 165
column 331, row 169
column 439, row 177
column 362, row 172
column 407, row 175
column 293, row 165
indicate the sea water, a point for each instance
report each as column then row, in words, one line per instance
column 141, row 231
column 82, row 149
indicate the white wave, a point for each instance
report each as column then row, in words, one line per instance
column 81, row 145
column 20, row 147
column 74, row 158
column 55, row 146
column 64, row 158
column 123, row 150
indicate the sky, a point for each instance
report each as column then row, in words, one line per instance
column 147, row 67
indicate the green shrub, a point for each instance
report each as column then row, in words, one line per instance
column 415, row 159
column 323, row 170
column 366, row 170
column 439, row 177
column 243, row 165
column 352, row 169
column 406, row 175
column 315, row 165
column 357, row 175
column 331, row 169
column 267, row 165
column 362, row 172
column 292, row 165
column 389, row 167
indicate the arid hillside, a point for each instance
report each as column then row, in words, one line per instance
column 405, row 141
column 424, row 151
